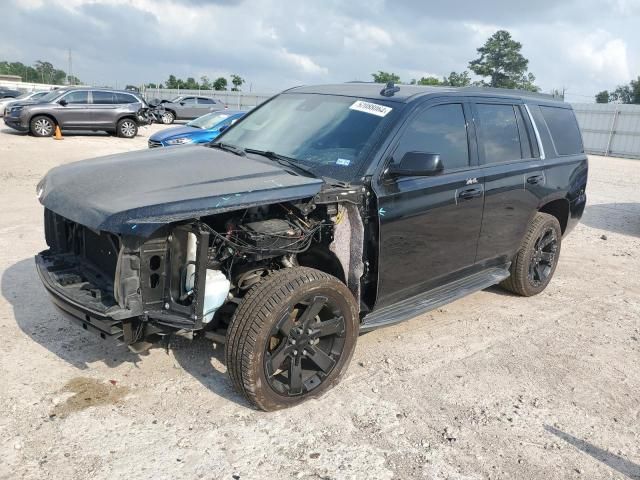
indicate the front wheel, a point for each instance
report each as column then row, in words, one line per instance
column 291, row 338
column 42, row 126
column 167, row 117
column 536, row 261
column 127, row 128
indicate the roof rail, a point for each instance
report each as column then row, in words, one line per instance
column 510, row 91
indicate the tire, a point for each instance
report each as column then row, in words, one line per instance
column 167, row 117
column 41, row 126
column 127, row 128
column 536, row 261
column 276, row 336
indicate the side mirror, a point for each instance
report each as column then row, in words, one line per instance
column 223, row 128
column 417, row 164
column 182, row 103
column 63, row 102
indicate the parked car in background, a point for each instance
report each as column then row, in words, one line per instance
column 200, row 130
column 188, row 107
column 8, row 93
column 31, row 96
column 78, row 108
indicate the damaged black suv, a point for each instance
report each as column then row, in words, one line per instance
column 326, row 212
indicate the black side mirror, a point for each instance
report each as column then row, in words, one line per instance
column 63, row 102
column 223, row 128
column 181, row 103
column 417, row 164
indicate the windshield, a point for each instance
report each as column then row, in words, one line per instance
column 209, row 120
column 49, row 97
column 328, row 135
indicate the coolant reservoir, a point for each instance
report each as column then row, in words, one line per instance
column 215, row 293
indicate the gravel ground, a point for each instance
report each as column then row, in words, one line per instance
column 491, row 386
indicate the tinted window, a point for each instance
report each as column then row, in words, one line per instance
column 440, row 129
column 76, row 97
column 525, row 140
column 125, row 98
column 188, row 100
column 564, row 130
column 207, row 101
column 499, row 137
column 103, row 98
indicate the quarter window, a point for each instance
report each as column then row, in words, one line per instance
column 125, row 98
column 499, row 139
column 441, row 129
column 206, row 101
column 78, row 97
column 564, row 130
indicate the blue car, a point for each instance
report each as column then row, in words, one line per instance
column 201, row 130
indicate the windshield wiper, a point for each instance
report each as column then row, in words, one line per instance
column 282, row 160
column 227, row 147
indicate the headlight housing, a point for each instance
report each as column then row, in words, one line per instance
column 179, row 141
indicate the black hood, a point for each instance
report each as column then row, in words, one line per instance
column 136, row 193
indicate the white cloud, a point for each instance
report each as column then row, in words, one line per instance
column 303, row 63
column 602, row 55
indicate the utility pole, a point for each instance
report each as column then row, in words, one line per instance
column 70, row 74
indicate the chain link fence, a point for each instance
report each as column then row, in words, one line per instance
column 238, row 100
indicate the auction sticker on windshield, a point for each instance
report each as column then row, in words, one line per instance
column 372, row 108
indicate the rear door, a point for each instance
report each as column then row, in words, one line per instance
column 187, row 108
column 429, row 226
column 76, row 110
column 514, row 177
column 103, row 107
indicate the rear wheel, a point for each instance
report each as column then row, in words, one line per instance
column 291, row 338
column 167, row 117
column 536, row 261
column 127, row 128
column 42, row 126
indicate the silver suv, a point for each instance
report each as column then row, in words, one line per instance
column 78, row 108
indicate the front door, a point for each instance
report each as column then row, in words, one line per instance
column 429, row 226
column 73, row 110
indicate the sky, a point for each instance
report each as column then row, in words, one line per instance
column 584, row 46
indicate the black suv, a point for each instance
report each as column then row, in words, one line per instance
column 326, row 212
column 78, row 108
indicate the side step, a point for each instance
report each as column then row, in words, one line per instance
column 433, row 299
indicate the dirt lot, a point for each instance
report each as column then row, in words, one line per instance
column 492, row 386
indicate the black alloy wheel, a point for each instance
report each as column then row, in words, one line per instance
column 543, row 258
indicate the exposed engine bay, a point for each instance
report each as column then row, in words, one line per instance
column 192, row 275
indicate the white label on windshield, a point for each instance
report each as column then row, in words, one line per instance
column 372, row 108
column 345, row 162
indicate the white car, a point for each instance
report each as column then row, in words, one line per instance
column 25, row 97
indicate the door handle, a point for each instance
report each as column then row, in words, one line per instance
column 535, row 179
column 470, row 193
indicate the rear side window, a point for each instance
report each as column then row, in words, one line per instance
column 207, row 101
column 440, row 129
column 103, row 98
column 125, row 98
column 564, row 130
column 500, row 138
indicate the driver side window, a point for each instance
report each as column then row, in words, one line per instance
column 440, row 129
column 76, row 98
column 189, row 100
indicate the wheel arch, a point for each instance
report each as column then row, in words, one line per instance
column 48, row 115
column 323, row 259
column 558, row 208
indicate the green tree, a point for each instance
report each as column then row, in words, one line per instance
column 500, row 60
column 385, row 77
column 635, row 90
column 429, row 81
column 602, row 97
column 205, row 83
column 456, row 79
column 172, row 82
column 191, row 84
column 73, row 80
column 622, row 94
column 237, row 81
column 220, row 83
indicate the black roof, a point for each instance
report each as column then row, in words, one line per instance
column 408, row 93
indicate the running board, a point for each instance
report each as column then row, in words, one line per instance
column 433, row 299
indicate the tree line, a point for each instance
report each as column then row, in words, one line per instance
column 205, row 83
column 39, row 72
column 500, row 64
column 629, row 93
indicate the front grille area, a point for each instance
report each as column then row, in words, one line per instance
column 154, row 143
